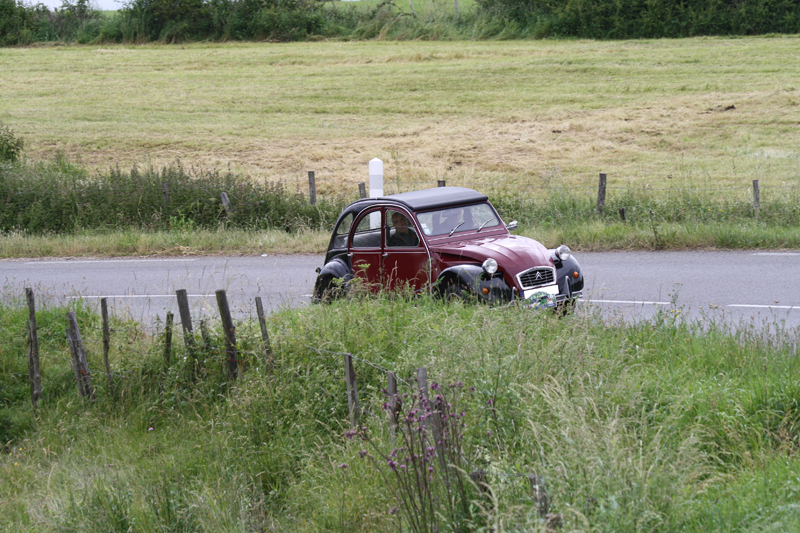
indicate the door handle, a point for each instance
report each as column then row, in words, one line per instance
column 385, row 254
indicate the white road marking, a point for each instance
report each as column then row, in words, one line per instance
column 634, row 302
column 776, row 253
column 97, row 261
column 766, row 306
column 136, row 296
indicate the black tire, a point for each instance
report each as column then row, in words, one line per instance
column 326, row 290
column 455, row 291
column 567, row 307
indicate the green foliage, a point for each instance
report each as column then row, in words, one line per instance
column 172, row 21
column 10, row 144
column 669, row 425
column 635, row 19
column 72, row 22
column 60, row 197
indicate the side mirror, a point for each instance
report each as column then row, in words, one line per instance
column 511, row 226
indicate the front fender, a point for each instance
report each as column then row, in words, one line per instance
column 568, row 285
column 490, row 289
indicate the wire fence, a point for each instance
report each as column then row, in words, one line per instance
column 210, row 350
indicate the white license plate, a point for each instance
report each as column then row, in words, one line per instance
column 541, row 297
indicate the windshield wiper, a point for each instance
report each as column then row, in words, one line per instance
column 482, row 225
column 457, row 226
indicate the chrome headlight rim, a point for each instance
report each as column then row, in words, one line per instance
column 489, row 266
column 563, row 252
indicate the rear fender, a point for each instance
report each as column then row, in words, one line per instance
column 337, row 268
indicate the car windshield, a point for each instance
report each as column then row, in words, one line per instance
column 457, row 219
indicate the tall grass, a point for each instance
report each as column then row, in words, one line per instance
column 668, row 425
column 59, row 208
column 60, row 197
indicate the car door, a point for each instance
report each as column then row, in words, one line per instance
column 405, row 258
column 366, row 248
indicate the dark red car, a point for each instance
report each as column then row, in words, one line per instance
column 448, row 240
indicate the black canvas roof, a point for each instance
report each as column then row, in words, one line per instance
column 436, row 197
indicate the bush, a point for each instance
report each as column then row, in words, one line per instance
column 10, row 145
column 634, row 19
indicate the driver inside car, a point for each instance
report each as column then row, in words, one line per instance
column 402, row 235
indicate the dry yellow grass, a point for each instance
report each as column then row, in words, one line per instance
column 694, row 112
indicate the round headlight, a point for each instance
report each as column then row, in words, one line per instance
column 563, row 252
column 490, row 266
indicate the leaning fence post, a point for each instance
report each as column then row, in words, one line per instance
column 601, row 193
column 441, row 183
column 230, row 334
column 106, row 343
column 186, row 324
column 362, row 190
column 539, row 494
column 34, row 374
column 168, row 340
column 226, row 203
column 264, row 333
column 352, row 389
column 756, row 198
column 79, row 357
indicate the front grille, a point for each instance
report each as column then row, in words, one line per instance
column 537, row 277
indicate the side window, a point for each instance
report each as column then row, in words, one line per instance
column 400, row 231
column 342, row 231
column 366, row 234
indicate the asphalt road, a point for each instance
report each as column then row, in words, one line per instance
column 740, row 287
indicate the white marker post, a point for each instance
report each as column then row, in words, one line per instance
column 375, row 188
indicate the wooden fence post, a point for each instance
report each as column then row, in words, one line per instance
column 362, row 190
column 264, row 333
column 479, row 478
column 186, row 324
column 34, row 374
column 539, row 494
column 165, row 195
column 226, row 203
column 106, row 343
column 230, row 334
column 312, row 188
column 756, row 198
column 352, row 390
column 391, row 390
column 168, row 340
column 622, row 214
column 601, row 193
column 204, row 335
column 79, row 357
column 435, row 426
column 441, row 183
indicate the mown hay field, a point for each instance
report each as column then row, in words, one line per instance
column 702, row 112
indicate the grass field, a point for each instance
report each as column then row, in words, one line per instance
column 706, row 112
column 668, row 426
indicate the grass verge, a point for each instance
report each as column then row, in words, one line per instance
column 666, row 425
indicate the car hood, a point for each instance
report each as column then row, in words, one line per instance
column 512, row 252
